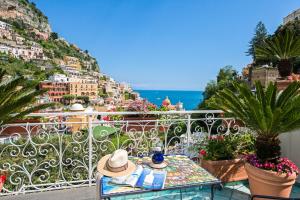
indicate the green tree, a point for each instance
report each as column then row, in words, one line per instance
column 86, row 99
column 68, row 98
column 17, row 97
column 225, row 77
column 54, row 35
column 268, row 113
column 260, row 35
column 281, row 49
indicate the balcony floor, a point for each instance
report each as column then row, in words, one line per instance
column 237, row 191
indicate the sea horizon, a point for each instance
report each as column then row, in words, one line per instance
column 167, row 90
column 190, row 98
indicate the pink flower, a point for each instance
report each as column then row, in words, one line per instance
column 202, row 152
column 106, row 118
column 2, row 179
column 281, row 165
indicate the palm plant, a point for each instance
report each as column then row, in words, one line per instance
column 281, row 49
column 268, row 113
column 17, row 96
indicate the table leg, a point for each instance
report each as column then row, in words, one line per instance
column 180, row 194
column 212, row 191
column 212, row 195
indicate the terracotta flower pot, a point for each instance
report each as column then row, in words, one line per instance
column 226, row 170
column 264, row 182
column 285, row 68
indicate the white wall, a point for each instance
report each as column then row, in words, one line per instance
column 290, row 147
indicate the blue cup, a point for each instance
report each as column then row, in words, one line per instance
column 158, row 156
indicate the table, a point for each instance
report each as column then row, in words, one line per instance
column 182, row 173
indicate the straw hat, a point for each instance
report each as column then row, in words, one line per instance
column 116, row 164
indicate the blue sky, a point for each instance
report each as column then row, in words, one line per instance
column 164, row 44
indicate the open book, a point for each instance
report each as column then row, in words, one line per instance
column 143, row 178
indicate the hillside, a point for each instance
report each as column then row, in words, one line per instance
column 29, row 47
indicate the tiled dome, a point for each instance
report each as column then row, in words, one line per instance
column 166, row 102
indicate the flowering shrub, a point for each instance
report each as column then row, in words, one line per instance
column 141, row 106
column 151, row 107
column 281, row 165
column 2, row 179
column 219, row 147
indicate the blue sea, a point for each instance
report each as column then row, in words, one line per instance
column 190, row 99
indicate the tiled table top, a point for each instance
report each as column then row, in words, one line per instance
column 181, row 173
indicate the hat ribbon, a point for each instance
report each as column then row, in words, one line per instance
column 116, row 169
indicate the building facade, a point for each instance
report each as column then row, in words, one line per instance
column 59, row 85
column 72, row 62
column 264, row 74
column 84, row 89
column 56, row 90
column 295, row 15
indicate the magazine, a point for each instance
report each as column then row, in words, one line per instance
column 152, row 180
column 143, row 178
column 130, row 180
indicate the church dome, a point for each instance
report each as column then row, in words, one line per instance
column 77, row 107
column 166, row 102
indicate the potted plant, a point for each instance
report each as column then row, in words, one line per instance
column 281, row 49
column 222, row 155
column 268, row 113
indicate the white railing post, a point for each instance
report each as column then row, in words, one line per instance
column 188, row 132
column 90, row 131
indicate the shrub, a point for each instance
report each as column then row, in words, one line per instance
column 219, row 147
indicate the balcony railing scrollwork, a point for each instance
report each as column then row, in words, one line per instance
column 60, row 150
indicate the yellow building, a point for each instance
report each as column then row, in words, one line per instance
column 72, row 62
column 77, row 122
column 82, row 88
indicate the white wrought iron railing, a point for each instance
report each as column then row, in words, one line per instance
column 60, row 150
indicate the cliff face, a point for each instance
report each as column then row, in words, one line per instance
column 26, row 37
column 25, row 11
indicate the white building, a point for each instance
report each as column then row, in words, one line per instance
column 295, row 15
column 70, row 71
column 5, row 26
column 125, row 87
column 19, row 40
column 5, row 49
column 36, row 48
column 59, row 78
column 6, row 34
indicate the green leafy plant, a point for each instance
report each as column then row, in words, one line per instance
column 68, row 98
column 268, row 112
column 219, row 147
column 223, row 80
column 281, row 49
column 17, row 98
